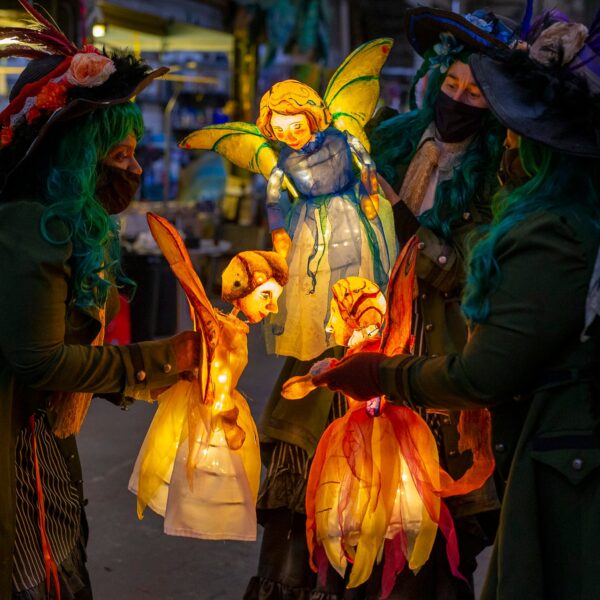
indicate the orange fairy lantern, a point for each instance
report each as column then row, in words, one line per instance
column 375, row 489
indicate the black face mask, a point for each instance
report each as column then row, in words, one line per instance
column 456, row 121
column 115, row 188
column 511, row 173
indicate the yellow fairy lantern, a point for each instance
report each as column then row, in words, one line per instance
column 199, row 465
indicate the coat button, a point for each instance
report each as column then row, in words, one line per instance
column 442, row 259
column 167, row 368
column 577, row 464
column 467, row 216
column 500, row 447
column 421, row 245
column 452, row 453
column 429, row 327
column 423, row 296
column 140, row 376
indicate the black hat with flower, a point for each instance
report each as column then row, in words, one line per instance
column 548, row 91
column 60, row 82
column 480, row 30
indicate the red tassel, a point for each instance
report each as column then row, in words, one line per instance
column 49, row 562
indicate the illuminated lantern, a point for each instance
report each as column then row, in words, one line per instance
column 199, row 465
column 375, row 487
column 339, row 224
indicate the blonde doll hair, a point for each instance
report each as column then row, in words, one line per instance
column 291, row 97
column 360, row 302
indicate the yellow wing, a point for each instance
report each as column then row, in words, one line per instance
column 353, row 91
column 241, row 143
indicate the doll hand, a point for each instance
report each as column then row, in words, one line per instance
column 388, row 190
column 370, row 205
column 356, row 376
column 187, row 347
column 281, row 241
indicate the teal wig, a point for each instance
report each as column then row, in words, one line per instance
column 558, row 180
column 69, row 195
column 394, row 143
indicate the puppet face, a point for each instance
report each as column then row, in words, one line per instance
column 461, row 86
column 293, row 130
column 336, row 325
column 260, row 302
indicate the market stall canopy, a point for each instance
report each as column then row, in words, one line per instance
column 151, row 33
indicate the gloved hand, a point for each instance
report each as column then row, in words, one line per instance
column 187, row 347
column 356, row 375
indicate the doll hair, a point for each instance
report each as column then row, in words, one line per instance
column 291, row 97
column 558, row 180
column 68, row 185
column 360, row 302
column 248, row 270
column 394, row 142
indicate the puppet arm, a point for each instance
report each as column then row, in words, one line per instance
column 368, row 176
column 279, row 235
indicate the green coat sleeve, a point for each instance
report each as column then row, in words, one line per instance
column 537, row 310
column 33, row 306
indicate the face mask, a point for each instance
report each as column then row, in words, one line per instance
column 115, row 188
column 511, row 172
column 456, row 121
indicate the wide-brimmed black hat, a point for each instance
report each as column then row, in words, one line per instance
column 480, row 30
column 548, row 92
column 60, row 82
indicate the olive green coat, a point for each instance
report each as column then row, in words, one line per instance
column 45, row 346
column 527, row 363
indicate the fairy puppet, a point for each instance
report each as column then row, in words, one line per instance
column 199, row 465
column 338, row 225
column 375, row 490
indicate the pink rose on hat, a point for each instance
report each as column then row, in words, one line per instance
column 89, row 69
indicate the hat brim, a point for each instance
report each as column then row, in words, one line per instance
column 424, row 25
column 520, row 104
column 81, row 106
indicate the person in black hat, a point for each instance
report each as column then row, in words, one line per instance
column 441, row 162
column 527, row 301
column 67, row 162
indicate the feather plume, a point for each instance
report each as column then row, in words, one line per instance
column 42, row 37
column 526, row 21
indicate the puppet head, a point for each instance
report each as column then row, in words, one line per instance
column 253, row 281
column 292, row 112
column 357, row 305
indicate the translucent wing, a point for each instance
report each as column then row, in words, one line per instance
column 353, row 91
column 241, row 143
column 203, row 313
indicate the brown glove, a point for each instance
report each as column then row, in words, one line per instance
column 356, row 376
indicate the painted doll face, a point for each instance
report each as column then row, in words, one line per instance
column 461, row 86
column 293, row 130
column 261, row 301
column 336, row 325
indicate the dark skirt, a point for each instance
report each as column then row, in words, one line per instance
column 284, row 572
column 73, row 578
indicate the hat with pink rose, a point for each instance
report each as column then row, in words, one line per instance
column 60, row 82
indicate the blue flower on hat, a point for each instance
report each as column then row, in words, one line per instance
column 489, row 23
column 446, row 51
column 480, row 23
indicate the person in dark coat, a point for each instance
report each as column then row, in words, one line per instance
column 528, row 299
column 67, row 162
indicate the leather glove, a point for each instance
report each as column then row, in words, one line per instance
column 356, row 376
